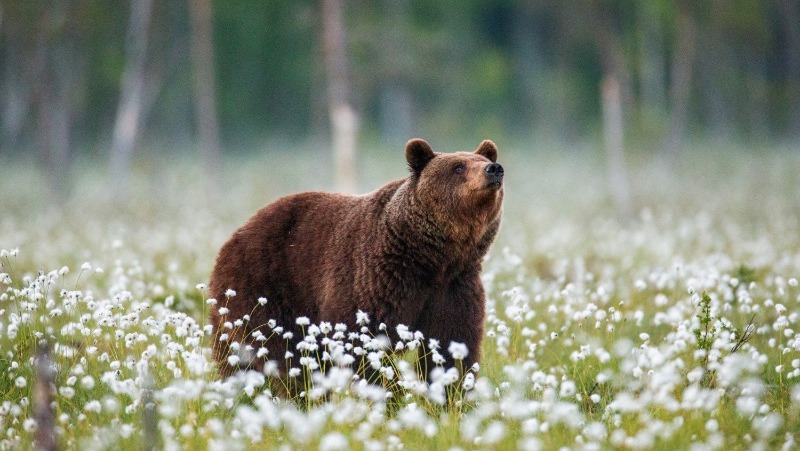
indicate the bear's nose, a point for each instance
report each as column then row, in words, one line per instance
column 494, row 171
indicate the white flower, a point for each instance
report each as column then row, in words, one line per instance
column 87, row 382
column 459, row 351
column 93, row 406
column 262, row 301
column 126, row 430
column 67, row 392
column 302, row 321
column 20, row 382
column 362, row 318
column 403, row 332
column 230, row 293
column 494, row 432
column 595, row 431
column 29, row 425
column 233, row 360
column 333, row 441
column 186, row 430
column 567, row 389
column 469, row 381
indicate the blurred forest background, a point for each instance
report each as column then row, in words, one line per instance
column 101, row 80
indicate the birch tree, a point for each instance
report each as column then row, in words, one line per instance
column 132, row 93
column 343, row 118
column 205, row 107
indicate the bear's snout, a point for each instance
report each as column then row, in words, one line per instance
column 495, row 173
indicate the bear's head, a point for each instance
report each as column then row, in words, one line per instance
column 462, row 191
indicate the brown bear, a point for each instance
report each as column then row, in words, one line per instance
column 407, row 253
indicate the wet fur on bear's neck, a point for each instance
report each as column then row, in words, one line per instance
column 407, row 253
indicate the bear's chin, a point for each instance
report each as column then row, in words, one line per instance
column 486, row 200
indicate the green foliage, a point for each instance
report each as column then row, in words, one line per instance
column 706, row 333
column 745, row 274
column 711, row 326
column 465, row 68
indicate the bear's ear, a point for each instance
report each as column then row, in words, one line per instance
column 487, row 149
column 418, row 154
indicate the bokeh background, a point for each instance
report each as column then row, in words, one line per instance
column 122, row 85
column 642, row 292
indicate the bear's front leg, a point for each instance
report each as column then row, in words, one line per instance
column 455, row 316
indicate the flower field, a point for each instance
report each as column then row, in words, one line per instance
column 678, row 327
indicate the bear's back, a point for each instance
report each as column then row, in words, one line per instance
column 286, row 249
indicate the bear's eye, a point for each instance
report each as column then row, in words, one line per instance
column 459, row 169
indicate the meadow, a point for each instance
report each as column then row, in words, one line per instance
column 677, row 328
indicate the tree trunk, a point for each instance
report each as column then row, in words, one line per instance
column 614, row 134
column 45, row 439
column 790, row 17
column 205, row 111
column 713, row 70
column 612, row 58
column 756, row 70
column 343, row 117
column 396, row 117
column 17, row 98
column 55, row 73
column 529, row 71
column 132, row 96
column 681, row 79
column 652, row 79
column 616, row 95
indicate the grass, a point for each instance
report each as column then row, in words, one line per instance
column 601, row 332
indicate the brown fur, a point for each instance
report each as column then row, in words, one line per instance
column 408, row 253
